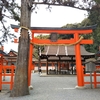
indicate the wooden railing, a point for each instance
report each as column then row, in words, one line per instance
column 94, row 75
column 3, row 75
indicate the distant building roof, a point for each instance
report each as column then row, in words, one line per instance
column 2, row 52
column 14, row 52
column 64, row 52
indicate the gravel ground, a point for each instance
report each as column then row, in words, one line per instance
column 55, row 88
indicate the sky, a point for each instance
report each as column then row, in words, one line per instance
column 58, row 17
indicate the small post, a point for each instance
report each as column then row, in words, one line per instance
column 91, row 79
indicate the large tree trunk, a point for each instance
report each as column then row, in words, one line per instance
column 20, row 87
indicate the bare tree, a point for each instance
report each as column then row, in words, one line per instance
column 78, row 4
column 20, row 87
column 7, row 11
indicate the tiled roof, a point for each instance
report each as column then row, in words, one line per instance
column 64, row 51
column 2, row 52
column 14, row 52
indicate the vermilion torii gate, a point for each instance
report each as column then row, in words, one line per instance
column 75, row 31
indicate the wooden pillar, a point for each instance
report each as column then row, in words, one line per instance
column 30, row 60
column 80, row 79
column 32, row 47
column 59, row 67
column 47, row 67
column 1, row 63
column 72, row 63
column 95, row 80
column 52, row 65
column 0, row 77
column 33, row 66
column 11, row 79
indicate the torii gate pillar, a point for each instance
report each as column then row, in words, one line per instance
column 79, row 69
column 30, row 61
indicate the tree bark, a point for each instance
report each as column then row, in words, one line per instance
column 20, row 87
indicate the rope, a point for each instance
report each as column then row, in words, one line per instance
column 29, row 31
column 24, row 27
column 81, row 37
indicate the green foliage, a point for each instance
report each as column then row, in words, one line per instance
column 97, row 1
column 94, row 35
column 38, row 48
column 43, row 36
column 94, row 17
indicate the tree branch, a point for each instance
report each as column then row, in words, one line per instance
column 63, row 4
column 7, row 16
